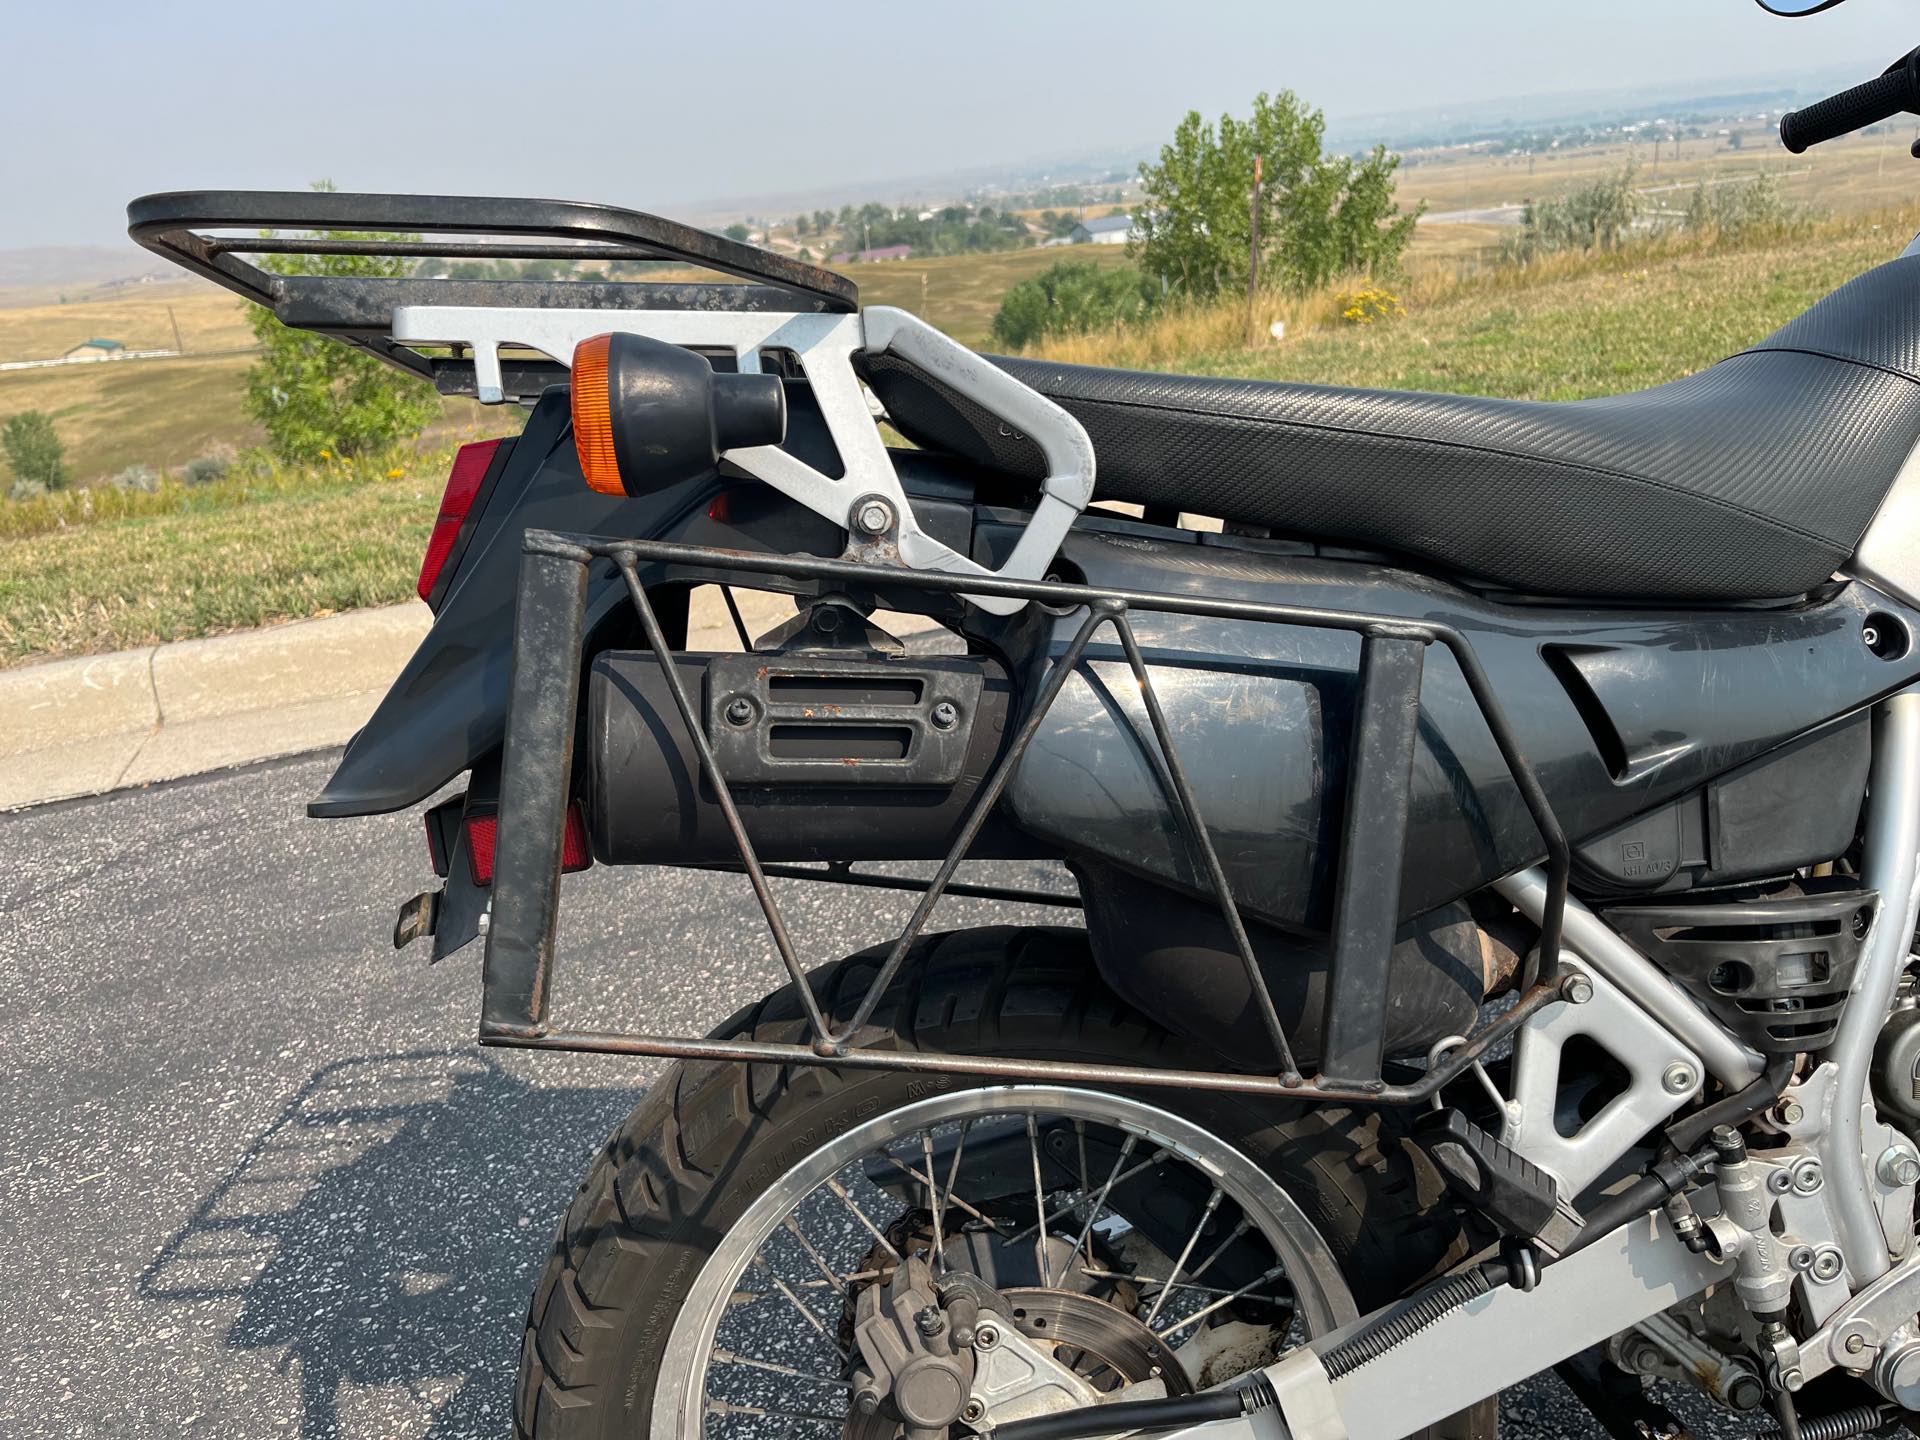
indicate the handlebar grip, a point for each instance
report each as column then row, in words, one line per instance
column 1878, row 99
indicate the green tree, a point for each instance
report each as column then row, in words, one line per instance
column 1072, row 297
column 736, row 231
column 34, row 450
column 313, row 395
column 1322, row 216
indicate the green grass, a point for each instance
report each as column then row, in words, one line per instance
column 1619, row 327
column 218, row 560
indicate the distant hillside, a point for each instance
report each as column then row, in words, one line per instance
column 76, row 267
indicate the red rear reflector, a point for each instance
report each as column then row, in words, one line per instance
column 484, row 830
column 463, row 484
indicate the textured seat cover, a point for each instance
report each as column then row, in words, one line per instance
column 1752, row 479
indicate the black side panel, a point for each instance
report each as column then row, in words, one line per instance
column 1263, row 712
column 1763, row 819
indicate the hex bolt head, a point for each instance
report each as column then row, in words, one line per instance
column 873, row 516
column 1827, row 1263
column 930, row 1322
column 1746, row 1393
column 945, row 715
column 972, row 1411
column 1576, row 989
column 1789, row 1112
column 1898, row 1166
column 1801, row 1257
column 739, row 711
column 1679, row 1078
column 1779, row 1182
column 1807, row 1177
column 986, row 1337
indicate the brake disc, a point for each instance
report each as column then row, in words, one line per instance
column 1097, row 1340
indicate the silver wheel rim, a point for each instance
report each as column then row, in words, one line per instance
column 1324, row 1300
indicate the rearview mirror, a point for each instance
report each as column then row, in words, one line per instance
column 1796, row 7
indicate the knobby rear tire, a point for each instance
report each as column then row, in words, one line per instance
column 670, row 1181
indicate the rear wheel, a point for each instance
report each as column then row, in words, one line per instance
column 708, row 1276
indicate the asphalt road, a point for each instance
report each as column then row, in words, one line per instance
column 255, row 1177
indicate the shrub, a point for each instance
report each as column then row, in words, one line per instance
column 26, row 490
column 208, row 467
column 1368, row 305
column 1072, row 297
column 34, row 450
column 143, row 478
column 1743, row 207
column 1596, row 216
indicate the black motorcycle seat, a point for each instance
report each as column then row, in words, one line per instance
column 1754, row 478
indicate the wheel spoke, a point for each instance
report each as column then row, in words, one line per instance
column 1067, row 1209
column 722, row 1408
column 833, row 1184
column 1186, row 1253
column 800, row 1305
column 933, row 1202
column 1039, row 1203
column 1093, row 1215
column 1222, row 1248
column 951, row 1198
column 729, row 1357
column 840, row 1284
column 1227, row 1299
column 1080, row 1143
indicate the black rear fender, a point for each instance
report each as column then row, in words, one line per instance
column 447, row 709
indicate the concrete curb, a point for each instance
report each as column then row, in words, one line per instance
column 81, row 727
column 108, row 722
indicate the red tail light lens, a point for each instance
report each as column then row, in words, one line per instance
column 484, row 830
column 463, row 484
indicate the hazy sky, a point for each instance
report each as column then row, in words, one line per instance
column 654, row 105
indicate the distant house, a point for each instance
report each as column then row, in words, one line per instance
column 879, row 252
column 96, row 349
column 1107, row 230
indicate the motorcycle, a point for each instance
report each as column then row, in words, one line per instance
column 1498, row 848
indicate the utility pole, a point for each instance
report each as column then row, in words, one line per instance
column 178, row 348
column 1253, row 255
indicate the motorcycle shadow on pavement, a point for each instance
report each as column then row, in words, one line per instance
column 383, row 1234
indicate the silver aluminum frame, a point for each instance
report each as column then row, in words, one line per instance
column 825, row 347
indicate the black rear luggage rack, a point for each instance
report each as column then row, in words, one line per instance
column 538, row 761
column 182, row 226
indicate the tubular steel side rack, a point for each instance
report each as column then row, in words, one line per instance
column 538, row 764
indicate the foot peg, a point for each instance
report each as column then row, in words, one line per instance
column 1515, row 1194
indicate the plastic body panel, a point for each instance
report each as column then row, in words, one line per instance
column 1263, row 713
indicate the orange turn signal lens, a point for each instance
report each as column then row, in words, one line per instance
column 593, row 416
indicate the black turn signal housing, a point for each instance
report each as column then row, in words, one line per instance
column 647, row 415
